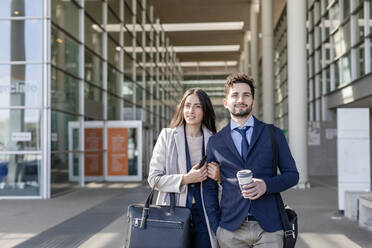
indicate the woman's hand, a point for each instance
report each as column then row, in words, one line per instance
column 195, row 175
column 214, row 171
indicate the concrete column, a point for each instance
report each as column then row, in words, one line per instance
column 267, row 61
column 297, row 86
column 254, row 8
column 246, row 65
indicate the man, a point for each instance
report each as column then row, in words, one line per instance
column 248, row 217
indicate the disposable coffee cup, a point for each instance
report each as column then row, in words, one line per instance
column 244, row 177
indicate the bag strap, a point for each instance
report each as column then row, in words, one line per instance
column 283, row 214
column 146, row 207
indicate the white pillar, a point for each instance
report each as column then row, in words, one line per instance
column 246, row 60
column 254, row 48
column 297, row 86
column 267, row 61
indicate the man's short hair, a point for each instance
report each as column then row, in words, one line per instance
column 239, row 78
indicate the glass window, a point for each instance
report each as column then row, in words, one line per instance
column 359, row 29
column 334, row 15
column 15, row 8
column 65, row 52
column 94, row 9
column 337, row 47
column 346, row 43
column 114, row 6
column 113, row 80
column 66, row 15
column 93, row 35
column 20, row 174
column 60, row 171
column 139, row 98
column 64, row 92
column 346, row 67
column 128, row 65
column 346, row 10
column 93, row 102
column 19, row 129
column 360, row 59
column 93, row 68
column 113, row 53
column 21, row 85
column 59, row 127
column 328, row 78
column 337, row 74
column 113, row 107
column 23, row 40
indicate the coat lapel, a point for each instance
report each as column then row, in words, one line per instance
column 226, row 132
column 179, row 137
column 257, row 130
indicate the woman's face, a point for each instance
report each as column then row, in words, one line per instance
column 192, row 110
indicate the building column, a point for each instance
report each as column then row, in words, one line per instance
column 297, row 89
column 254, row 47
column 267, row 61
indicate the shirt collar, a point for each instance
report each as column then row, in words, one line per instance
column 248, row 123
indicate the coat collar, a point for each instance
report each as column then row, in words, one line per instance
column 257, row 130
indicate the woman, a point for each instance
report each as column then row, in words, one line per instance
column 175, row 159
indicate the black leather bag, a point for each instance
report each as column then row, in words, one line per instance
column 158, row 226
column 287, row 215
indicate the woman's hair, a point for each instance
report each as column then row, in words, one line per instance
column 209, row 117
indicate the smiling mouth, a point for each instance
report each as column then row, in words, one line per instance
column 241, row 106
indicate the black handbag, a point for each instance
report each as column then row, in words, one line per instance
column 287, row 215
column 158, row 226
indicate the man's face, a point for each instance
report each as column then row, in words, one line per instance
column 239, row 101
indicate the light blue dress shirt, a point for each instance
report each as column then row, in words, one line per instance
column 237, row 137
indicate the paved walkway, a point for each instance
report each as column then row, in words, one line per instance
column 96, row 217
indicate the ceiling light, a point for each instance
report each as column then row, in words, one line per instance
column 59, row 40
column 191, row 49
column 203, row 26
column 16, row 12
column 180, row 27
column 219, row 48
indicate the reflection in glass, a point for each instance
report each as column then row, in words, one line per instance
column 59, row 130
column 18, row 8
column 128, row 89
column 66, row 15
column 60, row 172
column 113, row 107
column 346, row 67
column 20, row 85
column 113, row 52
column 93, row 69
column 64, row 91
column 93, row 35
column 20, row 129
column 19, row 174
column 133, row 151
column 93, row 102
column 23, row 40
column 64, row 52
column 113, row 80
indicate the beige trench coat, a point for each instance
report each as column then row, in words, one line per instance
column 169, row 163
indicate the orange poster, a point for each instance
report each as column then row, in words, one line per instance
column 93, row 156
column 117, row 151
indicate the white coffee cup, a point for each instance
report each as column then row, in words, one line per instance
column 244, row 177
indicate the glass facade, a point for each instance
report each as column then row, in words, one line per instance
column 109, row 60
column 338, row 53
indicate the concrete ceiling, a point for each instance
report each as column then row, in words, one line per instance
column 196, row 11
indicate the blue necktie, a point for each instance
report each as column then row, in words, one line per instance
column 244, row 145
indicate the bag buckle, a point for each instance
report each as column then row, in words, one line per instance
column 290, row 233
column 136, row 222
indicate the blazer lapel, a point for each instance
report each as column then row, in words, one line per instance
column 179, row 138
column 257, row 130
column 229, row 141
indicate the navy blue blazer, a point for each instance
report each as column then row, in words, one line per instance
column 233, row 208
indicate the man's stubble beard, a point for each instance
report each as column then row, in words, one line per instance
column 244, row 113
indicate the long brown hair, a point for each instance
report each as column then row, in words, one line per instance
column 209, row 117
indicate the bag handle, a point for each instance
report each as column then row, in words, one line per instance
column 283, row 214
column 146, row 207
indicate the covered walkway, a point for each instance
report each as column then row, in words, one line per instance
column 96, row 217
